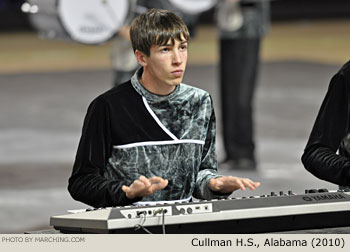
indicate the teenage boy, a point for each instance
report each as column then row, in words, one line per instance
column 153, row 137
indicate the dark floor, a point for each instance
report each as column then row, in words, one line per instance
column 41, row 117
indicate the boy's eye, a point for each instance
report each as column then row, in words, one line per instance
column 165, row 49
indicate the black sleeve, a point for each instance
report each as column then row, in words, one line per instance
column 331, row 126
column 87, row 183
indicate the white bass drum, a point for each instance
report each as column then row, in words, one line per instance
column 193, row 6
column 84, row 21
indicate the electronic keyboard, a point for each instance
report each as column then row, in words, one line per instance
column 255, row 214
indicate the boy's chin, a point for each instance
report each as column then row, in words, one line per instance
column 177, row 82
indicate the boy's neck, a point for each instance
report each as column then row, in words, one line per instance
column 155, row 86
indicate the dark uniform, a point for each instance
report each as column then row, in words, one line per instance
column 129, row 132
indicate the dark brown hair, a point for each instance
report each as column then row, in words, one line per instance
column 156, row 27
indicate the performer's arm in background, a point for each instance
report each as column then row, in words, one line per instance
column 331, row 126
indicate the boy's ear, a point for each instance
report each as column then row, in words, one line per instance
column 141, row 58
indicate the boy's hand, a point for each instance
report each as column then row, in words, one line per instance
column 228, row 184
column 144, row 186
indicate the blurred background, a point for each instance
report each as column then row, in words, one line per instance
column 46, row 85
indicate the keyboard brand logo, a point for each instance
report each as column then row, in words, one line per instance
column 326, row 197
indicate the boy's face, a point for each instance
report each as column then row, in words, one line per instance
column 166, row 64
